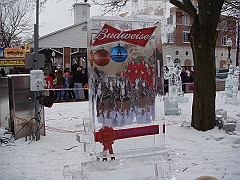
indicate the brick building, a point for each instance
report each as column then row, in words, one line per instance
column 175, row 30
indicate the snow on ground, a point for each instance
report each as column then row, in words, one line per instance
column 213, row 153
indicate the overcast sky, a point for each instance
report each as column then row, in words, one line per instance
column 58, row 15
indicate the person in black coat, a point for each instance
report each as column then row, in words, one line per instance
column 78, row 83
column 184, row 79
column 85, row 82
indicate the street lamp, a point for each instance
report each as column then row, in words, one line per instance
column 53, row 55
column 229, row 46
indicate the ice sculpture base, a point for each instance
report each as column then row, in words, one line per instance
column 171, row 106
column 232, row 101
column 172, row 111
column 183, row 99
column 155, row 166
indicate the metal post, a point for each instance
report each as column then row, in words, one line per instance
column 53, row 55
column 238, row 39
column 229, row 55
column 229, row 46
column 36, row 93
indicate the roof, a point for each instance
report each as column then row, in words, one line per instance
column 60, row 30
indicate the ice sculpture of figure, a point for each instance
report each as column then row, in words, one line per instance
column 231, row 86
column 178, row 81
column 235, row 82
column 229, row 83
column 171, row 102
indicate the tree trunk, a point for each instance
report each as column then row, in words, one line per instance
column 203, row 41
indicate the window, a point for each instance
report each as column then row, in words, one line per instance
column 224, row 40
column 170, row 19
column 177, row 61
column 186, row 20
column 185, row 37
column 169, row 37
column 224, row 24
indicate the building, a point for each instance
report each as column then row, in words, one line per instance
column 67, row 46
column 175, row 30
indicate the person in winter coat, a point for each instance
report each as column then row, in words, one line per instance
column 49, row 84
column 60, row 85
column 78, row 80
column 2, row 72
column 85, row 83
column 66, row 85
column 71, row 85
column 184, row 79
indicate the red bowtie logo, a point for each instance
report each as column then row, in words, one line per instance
column 139, row 37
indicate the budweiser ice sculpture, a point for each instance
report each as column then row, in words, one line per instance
column 126, row 117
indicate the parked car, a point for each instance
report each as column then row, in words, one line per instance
column 222, row 73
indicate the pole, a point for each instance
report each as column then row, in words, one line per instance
column 238, row 39
column 229, row 55
column 36, row 93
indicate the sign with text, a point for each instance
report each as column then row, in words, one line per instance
column 14, row 53
column 12, row 62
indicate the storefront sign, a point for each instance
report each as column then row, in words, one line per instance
column 12, row 62
column 14, row 53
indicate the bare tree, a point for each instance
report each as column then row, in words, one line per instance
column 203, row 36
column 15, row 20
column 231, row 9
column 112, row 7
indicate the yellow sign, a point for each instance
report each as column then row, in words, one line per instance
column 27, row 48
column 14, row 53
column 11, row 62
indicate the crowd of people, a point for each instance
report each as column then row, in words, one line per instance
column 67, row 85
column 187, row 76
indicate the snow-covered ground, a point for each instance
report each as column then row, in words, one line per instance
column 214, row 153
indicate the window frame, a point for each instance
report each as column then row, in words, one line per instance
column 224, row 24
column 170, row 19
column 224, row 40
column 185, row 36
column 185, row 20
column 170, row 37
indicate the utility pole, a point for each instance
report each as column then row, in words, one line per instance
column 36, row 93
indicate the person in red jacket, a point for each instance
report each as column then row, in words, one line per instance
column 49, row 84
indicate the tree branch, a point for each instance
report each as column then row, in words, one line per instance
column 186, row 6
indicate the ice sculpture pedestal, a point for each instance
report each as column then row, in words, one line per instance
column 171, row 108
column 232, row 101
column 182, row 99
column 157, row 166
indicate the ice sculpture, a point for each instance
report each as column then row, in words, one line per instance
column 171, row 99
column 125, row 130
column 231, row 86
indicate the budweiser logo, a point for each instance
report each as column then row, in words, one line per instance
column 139, row 37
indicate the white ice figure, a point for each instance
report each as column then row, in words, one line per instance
column 235, row 82
column 231, row 86
column 178, row 80
column 229, row 83
column 171, row 102
column 171, row 76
